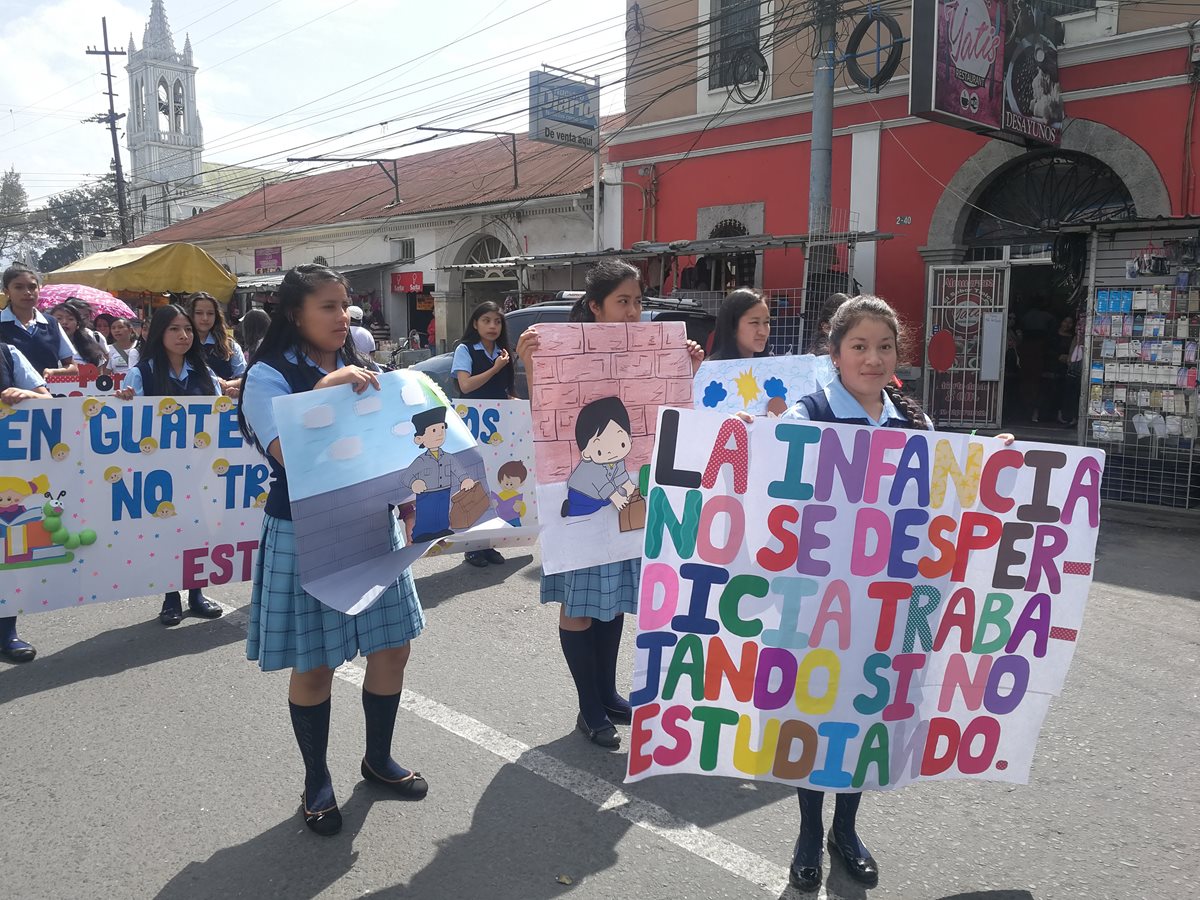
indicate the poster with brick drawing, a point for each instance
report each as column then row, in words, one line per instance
column 352, row 458
column 596, row 393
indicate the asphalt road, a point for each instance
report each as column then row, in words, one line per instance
column 140, row 762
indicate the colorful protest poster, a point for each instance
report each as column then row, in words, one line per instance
column 103, row 499
column 848, row 608
column 595, row 398
column 87, row 382
column 504, row 432
column 351, row 458
column 763, row 386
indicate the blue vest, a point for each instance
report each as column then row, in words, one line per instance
column 194, row 388
column 223, row 367
column 300, row 378
column 39, row 347
column 498, row 385
column 8, row 369
column 818, row 409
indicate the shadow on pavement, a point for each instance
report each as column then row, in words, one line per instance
column 437, row 587
column 1146, row 555
column 990, row 895
column 114, row 651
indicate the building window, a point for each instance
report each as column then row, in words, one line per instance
column 178, row 123
column 164, row 106
column 733, row 32
column 404, row 250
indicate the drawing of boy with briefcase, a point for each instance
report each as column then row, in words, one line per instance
column 446, row 495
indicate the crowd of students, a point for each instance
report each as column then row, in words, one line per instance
column 308, row 344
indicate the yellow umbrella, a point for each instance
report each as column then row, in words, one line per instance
column 152, row 269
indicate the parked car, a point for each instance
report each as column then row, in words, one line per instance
column 697, row 321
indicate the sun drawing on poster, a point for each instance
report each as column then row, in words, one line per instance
column 747, row 387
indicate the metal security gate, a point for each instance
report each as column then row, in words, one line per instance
column 972, row 303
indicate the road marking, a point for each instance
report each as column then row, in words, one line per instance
column 601, row 793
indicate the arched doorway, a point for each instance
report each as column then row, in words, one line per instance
column 488, row 280
column 1018, row 219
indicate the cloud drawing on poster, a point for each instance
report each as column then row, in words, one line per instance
column 767, row 386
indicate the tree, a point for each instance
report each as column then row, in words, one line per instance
column 17, row 226
column 70, row 216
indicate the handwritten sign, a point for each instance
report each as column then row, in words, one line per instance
column 848, row 608
column 352, row 458
column 88, row 382
column 763, row 386
column 504, row 432
column 595, row 398
column 102, row 499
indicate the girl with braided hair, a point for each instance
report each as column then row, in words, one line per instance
column 864, row 339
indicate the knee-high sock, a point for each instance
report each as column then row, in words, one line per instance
column 173, row 601
column 812, row 828
column 379, row 711
column 8, row 630
column 311, row 725
column 580, row 651
column 845, row 810
column 608, row 647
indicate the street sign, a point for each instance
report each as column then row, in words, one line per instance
column 564, row 111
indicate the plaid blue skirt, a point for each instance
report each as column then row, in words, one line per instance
column 291, row 629
column 602, row 592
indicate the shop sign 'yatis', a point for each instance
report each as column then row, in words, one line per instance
column 989, row 66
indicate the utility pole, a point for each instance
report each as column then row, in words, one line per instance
column 820, row 177
column 111, row 119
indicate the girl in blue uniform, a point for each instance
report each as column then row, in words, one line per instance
column 864, row 340
column 595, row 600
column 743, row 326
column 87, row 350
column 222, row 352
column 483, row 369
column 172, row 365
column 19, row 381
column 308, row 347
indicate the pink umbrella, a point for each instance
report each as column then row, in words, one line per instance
column 100, row 301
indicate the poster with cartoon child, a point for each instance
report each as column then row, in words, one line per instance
column 597, row 389
column 503, row 430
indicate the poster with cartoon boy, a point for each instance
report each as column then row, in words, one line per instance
column 602, row 433
column 433, row 477
column 510, row 500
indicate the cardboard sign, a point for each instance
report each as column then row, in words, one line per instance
column 848, row 608
column 595, row 398
column 764, row 386
column 103, row 499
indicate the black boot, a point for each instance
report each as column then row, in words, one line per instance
column 379, row 710
column 172, row 609
column 12, row 647
column 201, row 606
column 608, row 647
column 319, row 806
column 580, row 651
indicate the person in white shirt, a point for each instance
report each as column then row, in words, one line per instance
column 363, row 339
column 122, row 349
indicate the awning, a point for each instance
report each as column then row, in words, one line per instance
column 152, row 269
column 269, row 283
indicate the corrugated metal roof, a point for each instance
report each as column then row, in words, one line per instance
column 473, row 174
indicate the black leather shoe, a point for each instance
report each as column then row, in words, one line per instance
column 204, row 608
column 170, row 616
column 414, row 787
column 861, row 868
column 476, row 559
column 326, row 823
column 18, row 652
column 493, row 556
column 804, row 878
column 606, row 736
column 619, row 715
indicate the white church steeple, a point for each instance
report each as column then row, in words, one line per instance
column 163, row 130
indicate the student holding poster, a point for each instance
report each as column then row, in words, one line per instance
column 595, row 600
column 864, row 340
column 173, row 365
column 483, row 369
column 19, row 381
column 309, row 347
column 743, row 326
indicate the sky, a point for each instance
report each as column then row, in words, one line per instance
column 291, row 77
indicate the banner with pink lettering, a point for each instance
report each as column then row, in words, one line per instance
column 103, row 499
column 847, row 608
